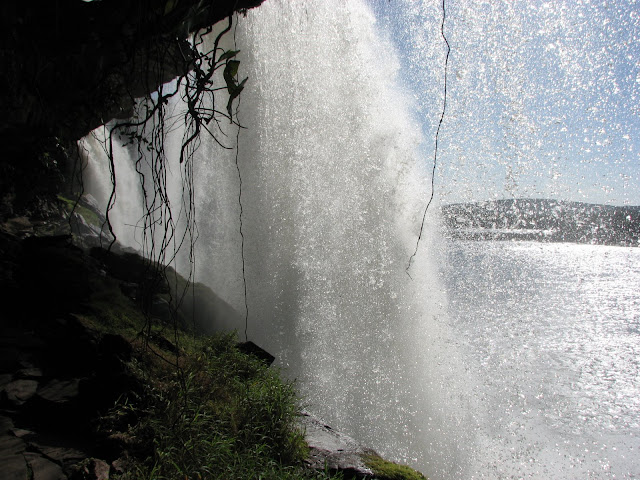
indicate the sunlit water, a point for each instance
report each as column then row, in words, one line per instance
column 553, row 333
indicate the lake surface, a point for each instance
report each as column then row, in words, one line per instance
column 522, row 361
column 551, row 335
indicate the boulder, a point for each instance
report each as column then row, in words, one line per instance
column 42, row 468
column 60, row 453
column 20, row 391
column 260, row 353
column 90, row 469
column 32, row 373
column 87, row 235
column 332, row 450
column 89, row 202
column 60, row 391
column 12, row 462
column 6, row 424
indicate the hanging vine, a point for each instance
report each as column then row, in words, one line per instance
column 167, row 229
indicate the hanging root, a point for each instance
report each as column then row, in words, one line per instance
column 165, row 229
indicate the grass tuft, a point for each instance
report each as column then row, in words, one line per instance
column 223, row 415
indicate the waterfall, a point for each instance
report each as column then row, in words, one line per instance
column 335, row 177
column 336, row 182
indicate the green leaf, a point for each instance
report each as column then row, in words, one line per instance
column 230, row 71
column 228, row 54
column 233, row 94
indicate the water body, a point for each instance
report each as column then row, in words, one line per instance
column 553, row 333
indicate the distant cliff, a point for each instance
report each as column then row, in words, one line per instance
column 544, row 220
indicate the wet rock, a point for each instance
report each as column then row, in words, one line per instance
column 89, row 201
column 21, row 227
column 120, row 465
column 90, row 469
column 21, row 432
column 130, row 268
column 329, row 449
column 79, row 226
column 39, row 243
column 206, row 312
column 130, row 289
column 5, row 378
column 85, row 67
column 17, row 348
column 9, row 444
column 161, row 310
column 54, row 272
column 63, row 455
column 29, row 373
column 60, row 391
column 14, row 468
column 163, row 343
column 42, row 468
column 87, row 235
column 251, row 348
column 6, row 424
column 12, row 463
column 19, row 392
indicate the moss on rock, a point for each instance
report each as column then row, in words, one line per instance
column 386, row 470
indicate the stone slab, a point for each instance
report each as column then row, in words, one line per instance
column 20, row 391
column 43, row 469
column 330, row 449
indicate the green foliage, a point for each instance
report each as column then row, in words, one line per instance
column 391, row 471
column 70, row 205
column 223, row 415
column 116, row 316
column 109, row 310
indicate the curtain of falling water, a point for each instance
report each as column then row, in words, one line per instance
column 334, row 180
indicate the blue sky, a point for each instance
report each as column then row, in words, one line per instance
column 544, row 97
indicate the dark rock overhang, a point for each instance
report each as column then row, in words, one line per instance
column 69, row 65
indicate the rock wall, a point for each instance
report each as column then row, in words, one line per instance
column 70, row 66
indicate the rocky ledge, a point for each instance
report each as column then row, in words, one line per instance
column 60, row 374
column 333, row 450
column 55, row 381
